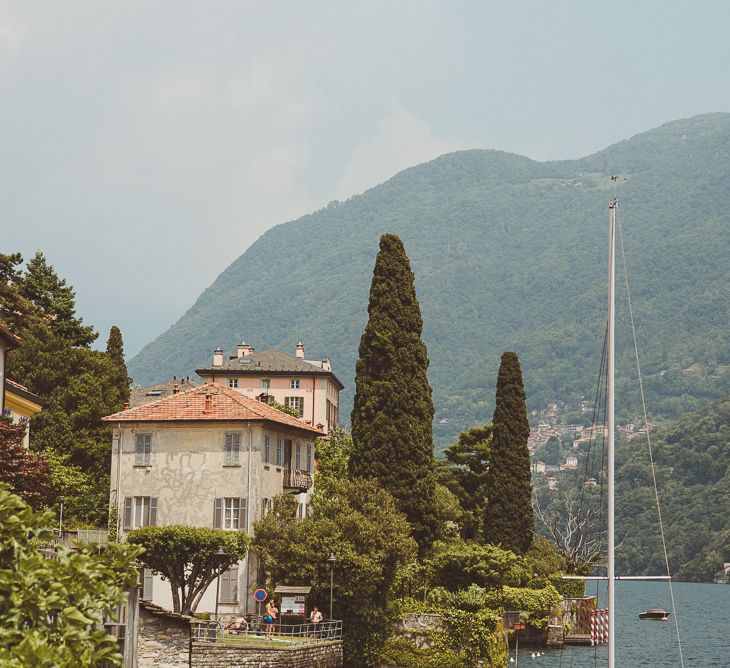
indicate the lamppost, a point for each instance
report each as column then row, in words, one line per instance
column 331, row 561
column 220, row 552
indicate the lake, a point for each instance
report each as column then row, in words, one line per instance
column 703, row 611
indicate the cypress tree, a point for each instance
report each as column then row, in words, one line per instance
column 115, row 351
column 509, row 520
column 393, row 411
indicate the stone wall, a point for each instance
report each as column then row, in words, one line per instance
column 420, row 628
column 163, row 641
column 212, row 655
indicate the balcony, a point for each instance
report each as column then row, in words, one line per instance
column 296, row 480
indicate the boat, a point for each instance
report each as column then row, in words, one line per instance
column 655, row 614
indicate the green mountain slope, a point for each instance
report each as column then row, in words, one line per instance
column 692, row 458
column 509, row 254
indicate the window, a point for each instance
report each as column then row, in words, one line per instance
column 233, row 450
column 267, row 449
column 266, row 507
column 294, row 384
column 278, row 451
column 265, row 383
column 140, row 511
column 309, row 458
column 146, row 582
column 142, row 449
column 298, row 456
column 297, row 403
column 230, row 513
column 229, row 586
column 233, row 383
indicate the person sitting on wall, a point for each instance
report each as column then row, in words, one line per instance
column 238, row 625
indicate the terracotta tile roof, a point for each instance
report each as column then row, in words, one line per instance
column 144, row 395
column 22, row 391
column 225, row 405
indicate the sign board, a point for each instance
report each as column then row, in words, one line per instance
column 519, row 626
column 293, row 605
column 260, row 595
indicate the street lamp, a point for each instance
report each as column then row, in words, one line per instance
column 220, row 552
column 331, row 561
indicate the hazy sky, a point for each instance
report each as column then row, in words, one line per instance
column 145, row 145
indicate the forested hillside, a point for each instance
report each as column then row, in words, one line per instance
column 508, row 254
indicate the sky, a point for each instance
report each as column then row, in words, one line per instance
column 145, row 145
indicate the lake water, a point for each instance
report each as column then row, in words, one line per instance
column 703, row 611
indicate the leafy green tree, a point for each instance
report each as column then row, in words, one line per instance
column 509, row 520
column 77, row 385
column 55, row 301
column 333, row 455
column 359, row 523
column 465, row 473
column 187, row 558
column 26, row 473
column 457, row 565
column 393, row 411
column 52, row 610
column 552, row 452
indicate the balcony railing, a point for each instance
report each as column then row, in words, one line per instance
column 297, row 479
column 255, row 632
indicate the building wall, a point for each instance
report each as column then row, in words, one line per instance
column 162, row 641
column 3, row 351
column 216, row 655
column 315, row 390
column 21, row 409
column 187, row 472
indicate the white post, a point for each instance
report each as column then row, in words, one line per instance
column 611, row 428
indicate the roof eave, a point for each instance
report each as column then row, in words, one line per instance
column 220, row 370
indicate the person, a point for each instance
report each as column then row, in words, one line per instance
column 270, row 618
column 315, row 618
column 239, row 625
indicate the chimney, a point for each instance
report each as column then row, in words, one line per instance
column 175, row 388
column 218, row 357
column 300, row 351
column 326, row 364
column 241, row 349
column 208, row 403
column 126, row 405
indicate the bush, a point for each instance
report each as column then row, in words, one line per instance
column 401, row 653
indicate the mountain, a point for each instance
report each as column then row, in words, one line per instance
column 509, row 254
column 692, row 458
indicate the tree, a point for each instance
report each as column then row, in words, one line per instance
column 115, row 352
column 333, row 455
column 52, row 610
column 458, row 565
column 509, row 520
column 393, row 411
column 77, row 385
column 26, row 473
column 359, row 523
column 465, row 473
column 187, row 557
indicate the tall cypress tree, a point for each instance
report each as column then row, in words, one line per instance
column 509, row 519
column 393, row 411
column 115, row 351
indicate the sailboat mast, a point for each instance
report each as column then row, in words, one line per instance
column 610, row 419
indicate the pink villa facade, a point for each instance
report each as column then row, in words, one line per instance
column 308, row 386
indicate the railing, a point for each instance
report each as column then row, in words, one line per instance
column 256, row 633
column 95, row 536
column 297, row 479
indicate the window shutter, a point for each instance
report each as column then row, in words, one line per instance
column 236, row 447
column 127, row 523
column 243, row 517
column 147, row 579
column 153, row 511
column 147, row 449
column 218, row 514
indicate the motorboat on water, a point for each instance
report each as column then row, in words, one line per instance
column 655, row 614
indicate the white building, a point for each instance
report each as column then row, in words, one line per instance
column 208, row 457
